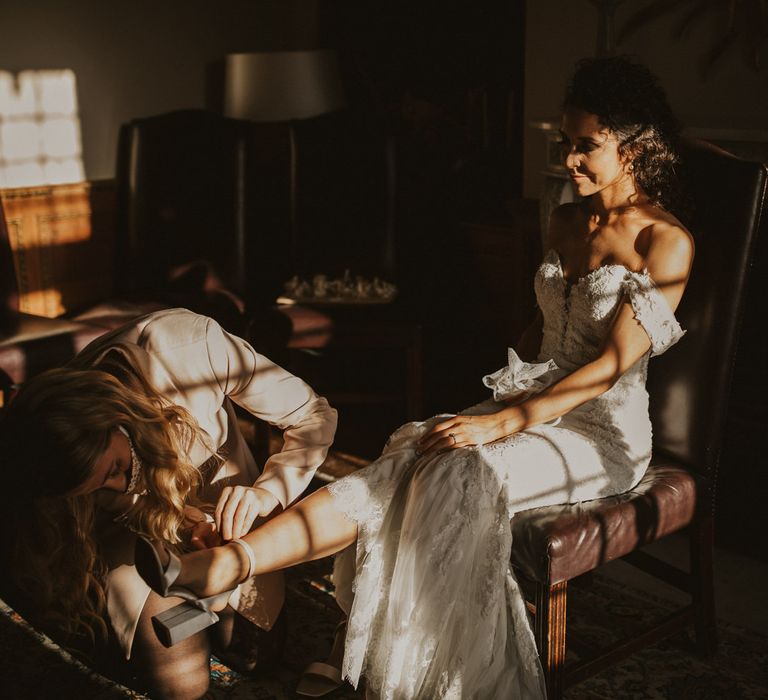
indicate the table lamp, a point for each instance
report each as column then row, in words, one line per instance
column 283, row 86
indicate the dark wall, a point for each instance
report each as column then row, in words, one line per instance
column 443, row 79
column 437, row 86
column 134, row 59
column 731, row 95
column 448, row 74
column 427, row 59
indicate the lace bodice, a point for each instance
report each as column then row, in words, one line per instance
column 578, row 316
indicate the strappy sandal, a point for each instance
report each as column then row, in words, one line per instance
column 195, row 613
column 320, row 678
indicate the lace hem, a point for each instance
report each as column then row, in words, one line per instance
column 430, row 564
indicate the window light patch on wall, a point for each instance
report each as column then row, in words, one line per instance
column 40, row 140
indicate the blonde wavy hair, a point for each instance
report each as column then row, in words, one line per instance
column 51, row 436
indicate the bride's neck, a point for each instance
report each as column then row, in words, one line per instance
column 616, row 200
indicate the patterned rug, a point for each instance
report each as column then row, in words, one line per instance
column 34, row 668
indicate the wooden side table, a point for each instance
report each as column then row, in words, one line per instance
column 360, row 357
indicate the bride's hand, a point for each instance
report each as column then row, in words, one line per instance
column 462, row 431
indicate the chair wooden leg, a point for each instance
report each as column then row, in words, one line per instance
column 702, row 578
column 550, row 634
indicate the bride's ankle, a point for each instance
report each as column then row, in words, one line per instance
column 214, row 570
column 204, row 571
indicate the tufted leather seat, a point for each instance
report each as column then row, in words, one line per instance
column 33, row 344
column 559, row 543
column 37, row 343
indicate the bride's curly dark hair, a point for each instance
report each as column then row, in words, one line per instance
column 628, row 99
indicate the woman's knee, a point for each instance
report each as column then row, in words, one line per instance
column 180, row 687
column 179, row 672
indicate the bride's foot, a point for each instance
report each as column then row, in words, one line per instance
column 167, row 575
column 323, row 677
column 198, row 574
column 211, row 571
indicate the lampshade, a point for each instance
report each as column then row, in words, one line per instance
column 280, row 86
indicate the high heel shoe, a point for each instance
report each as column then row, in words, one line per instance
column 195, row 613
column 321, row 677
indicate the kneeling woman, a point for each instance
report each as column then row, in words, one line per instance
column 139, row 434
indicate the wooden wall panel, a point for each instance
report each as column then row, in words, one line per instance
column 63, row 243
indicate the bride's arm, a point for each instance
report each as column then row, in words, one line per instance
column 668, row 262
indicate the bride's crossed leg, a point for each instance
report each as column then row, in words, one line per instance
column 312, row 529
column 315, row 527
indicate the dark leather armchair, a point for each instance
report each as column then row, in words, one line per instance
column 183, row 218
column 188, row 193
column 689, row 388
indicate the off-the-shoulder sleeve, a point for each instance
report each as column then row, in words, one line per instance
column 280, row 398
column 652, row 311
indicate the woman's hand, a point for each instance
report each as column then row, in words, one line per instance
column 462, row 431
column 199, row 529
column 204, row 535
column 239, row 506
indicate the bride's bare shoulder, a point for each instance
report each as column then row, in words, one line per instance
column 669, row 246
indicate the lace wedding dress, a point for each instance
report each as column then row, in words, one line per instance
column 434, row 610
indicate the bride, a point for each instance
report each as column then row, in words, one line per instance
column 424, row 531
